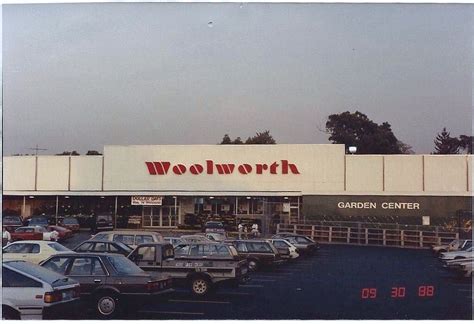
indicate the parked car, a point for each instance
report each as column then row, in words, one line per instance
column 70, row 223
column 109, row 282
column 283, row 245
column 131, row 238
column 63, row 233
column 200, row 266
column 466, row 268
column 453, row 246
column 218, row 237
column 214, row 227
column 32, row 251
column 304, row 244
column 103, row 247
column 258, row 253
column 103, row 223
column 39, row 221
column 33, row 233
column 33, row 292
column 11, row 223
column 173, row 240
column 454, row 255
column 194, row 239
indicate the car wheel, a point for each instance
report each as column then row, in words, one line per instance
column 253, row 265
column 106, row 305
column 200, row 286
column 9, row 313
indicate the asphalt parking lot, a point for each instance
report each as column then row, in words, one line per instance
column 339, row 282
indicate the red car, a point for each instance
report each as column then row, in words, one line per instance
column 70, row 223
column 63, row 232
column 33, row 233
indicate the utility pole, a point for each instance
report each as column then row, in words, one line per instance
column 36, row 149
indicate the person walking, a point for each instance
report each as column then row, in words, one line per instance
column 240, row 229
column 255, row 232
column 6, row 237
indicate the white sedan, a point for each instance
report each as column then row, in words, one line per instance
column 282, row 244
column 461, row 254
column 32, row 251
column 34, row 292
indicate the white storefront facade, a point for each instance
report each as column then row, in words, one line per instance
column 166, row 185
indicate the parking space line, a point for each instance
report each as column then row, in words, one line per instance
column 174, row 313
column 198, row 301
column 251, row 286
column 234, row 293
column 269, row 276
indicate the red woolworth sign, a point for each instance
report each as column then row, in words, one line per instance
column 164, row 167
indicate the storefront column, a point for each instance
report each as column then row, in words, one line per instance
column 236, row 205
column 115, row 211
column 23, row 209
column 57, row 207
column 175, row 210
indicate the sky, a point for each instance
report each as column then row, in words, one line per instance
column 81, row 76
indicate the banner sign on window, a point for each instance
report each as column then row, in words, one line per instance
column 147, row 200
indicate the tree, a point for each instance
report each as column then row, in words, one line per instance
column 445, row 144
column 69, row 153
column 261, row 138
column 356, row 129
column 91, row 152
column 238, row 140
column 405, row 148
column 465, row 142
column 226, row 139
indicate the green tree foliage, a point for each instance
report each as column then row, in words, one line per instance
column 356, row 129
column 465, row 142
column 259, row 138
column 445, row 144
column 226, row 139
column 91, row 152
column 68, row 153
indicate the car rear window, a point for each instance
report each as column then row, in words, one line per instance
column 140, row 239
column 123, row 246
column 14, row 279
column 259, row 247
column 124, row 266
column 127, row 239
column 58, row 247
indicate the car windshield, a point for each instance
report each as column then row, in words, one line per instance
column 104, row 218
column 70, row 221
column 124, row 266
column 302, row 239
column 467, row 245
column 11, row 220
column 58, row 247
column 214, row 225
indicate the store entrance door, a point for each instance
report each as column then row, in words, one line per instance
column 159, row 216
